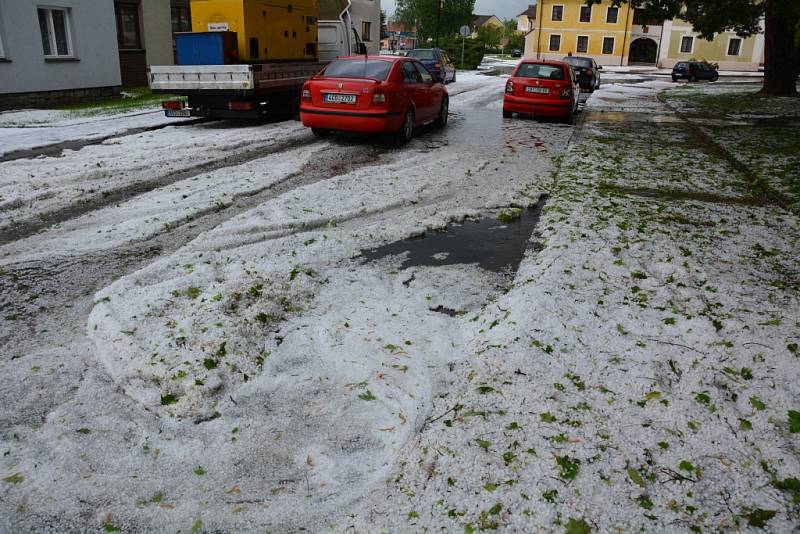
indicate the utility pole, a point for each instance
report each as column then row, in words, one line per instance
column 438, row 18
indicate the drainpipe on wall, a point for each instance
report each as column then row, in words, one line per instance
column 625, row 35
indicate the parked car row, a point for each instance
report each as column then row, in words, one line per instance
column 395, row 94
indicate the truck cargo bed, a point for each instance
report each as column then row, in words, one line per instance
column 243, row 79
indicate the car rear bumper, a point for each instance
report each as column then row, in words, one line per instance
column 538, row 106
column 351, row 121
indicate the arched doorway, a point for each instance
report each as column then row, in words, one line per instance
column 643, row 50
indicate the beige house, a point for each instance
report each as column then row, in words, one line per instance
column 527, row 19
column 728, row 50
column 484, row 20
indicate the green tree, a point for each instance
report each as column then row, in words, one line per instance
column 423, row 14
column 490, row 35
column 516, row 39
column 384, row 28
column 709, row 17
column 405, row 14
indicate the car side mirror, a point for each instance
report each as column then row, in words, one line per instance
column 599, row 67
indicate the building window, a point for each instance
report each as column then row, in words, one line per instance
column 555, row 43
column 181, row 20
column 54, row 27
column 366, row 31
column 608, row 45
column 734, row 47
column 586, row 13
column 612, row 15
column 128, row 32
column 687, row 44
column 558, row 13
column 583, row 44
column 2, row 50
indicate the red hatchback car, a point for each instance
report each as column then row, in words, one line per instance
column 373, row 94
column 546, row 88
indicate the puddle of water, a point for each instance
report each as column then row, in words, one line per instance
column 493, row 245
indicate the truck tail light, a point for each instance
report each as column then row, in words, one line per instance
column 379, row 97
column 172, row 104
column 510, row 87
column 241, row 106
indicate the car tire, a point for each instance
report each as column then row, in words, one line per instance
column 407, row 128
column 674, row 78
column 454, row 77
column 507, row 114
column 320, row 132
column 715, row 77
column 441, row 120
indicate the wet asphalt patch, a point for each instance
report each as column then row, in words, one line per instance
column 492, row 244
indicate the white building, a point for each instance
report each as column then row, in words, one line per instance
column 366, row 17
column 62, row 49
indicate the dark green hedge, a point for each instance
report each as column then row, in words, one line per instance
column 473, row 51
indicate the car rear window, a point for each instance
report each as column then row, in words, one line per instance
column 422, row 54
column 578, row 61
column 681, row 65
column 535, row 70
column 375, row 69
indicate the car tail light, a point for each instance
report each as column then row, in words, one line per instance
column 379, row 97
column 172, row 104
column 437, row 66
column 567, row 93
column 240, row 106
column 510, row 87
column 306, row 94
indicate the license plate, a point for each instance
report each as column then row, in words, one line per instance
column 540, row 90
column 339, row 98
column 178, row 112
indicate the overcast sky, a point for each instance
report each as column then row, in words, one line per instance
column 504, row 9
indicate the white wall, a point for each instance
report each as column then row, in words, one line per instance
column 95, row 62
column 157, row 31
column 368, row 10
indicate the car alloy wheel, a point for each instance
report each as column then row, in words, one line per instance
column 407, row 129
column 441, row 121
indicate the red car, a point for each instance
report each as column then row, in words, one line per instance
column 373, row 94
column 542, row 88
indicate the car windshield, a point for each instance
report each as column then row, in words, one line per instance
column 578, row 61
column 535, row 70
column 375, row 69
column 681, row 65
column 422, row 54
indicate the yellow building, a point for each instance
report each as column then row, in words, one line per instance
column 601, row 31
column 622, row 36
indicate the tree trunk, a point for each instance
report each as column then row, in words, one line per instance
column 780, row 54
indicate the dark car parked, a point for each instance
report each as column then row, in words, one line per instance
column 516, row 53
column 436, row 61
column 586, row 70
column 693, row 71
